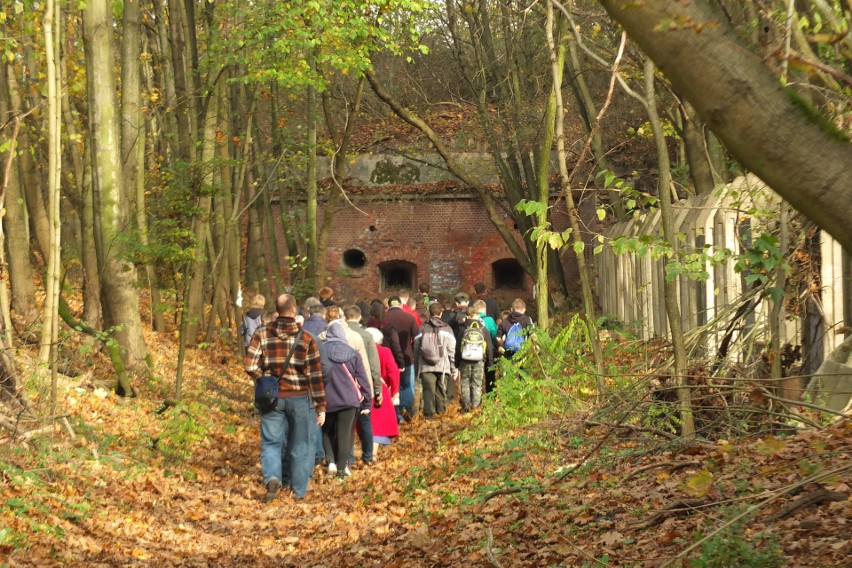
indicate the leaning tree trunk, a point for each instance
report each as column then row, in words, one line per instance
column 119, row 299
column 766, row 127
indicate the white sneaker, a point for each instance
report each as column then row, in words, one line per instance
column 332, row 468
column 346, row 471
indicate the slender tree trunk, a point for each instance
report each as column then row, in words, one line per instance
column 341, row 144
column 700, row 168
column 311, row 281
column 36, row 210
column 670, row 235
column 557, row 64
column 15, row 223
column 119, row 299
column 50, row 329
column 588, row 112
column 201, row 228
column 132, row 125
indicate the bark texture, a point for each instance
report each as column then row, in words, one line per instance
column 746, row 106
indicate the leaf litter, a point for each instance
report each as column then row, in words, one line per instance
column 123, row 491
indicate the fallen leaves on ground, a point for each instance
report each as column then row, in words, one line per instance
column 123, row 491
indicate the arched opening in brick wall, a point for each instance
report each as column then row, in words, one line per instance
column 354, row 258
column 396, row 274
column 507, row 274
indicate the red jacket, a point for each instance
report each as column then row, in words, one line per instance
column 384, row 419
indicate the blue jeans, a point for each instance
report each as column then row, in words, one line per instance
column 366, row 435
column 406, row 392
column 319, row 450
column 286, row 438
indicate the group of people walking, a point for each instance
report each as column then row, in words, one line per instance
column 365, row 369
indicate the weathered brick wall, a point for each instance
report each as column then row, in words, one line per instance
column 449, row 240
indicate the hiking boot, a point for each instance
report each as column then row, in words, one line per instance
column 272, row 488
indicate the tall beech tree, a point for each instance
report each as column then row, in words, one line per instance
column 119, row 296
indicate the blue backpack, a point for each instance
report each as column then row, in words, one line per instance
column 514, row 338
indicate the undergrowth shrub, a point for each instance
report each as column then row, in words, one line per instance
column 553, row 373
column 730, row 548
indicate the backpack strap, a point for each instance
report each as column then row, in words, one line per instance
column 290, row 353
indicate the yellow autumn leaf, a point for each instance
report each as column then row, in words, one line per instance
column 699, row 485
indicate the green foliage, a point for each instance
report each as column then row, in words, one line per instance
column 760, row 261
column 184, row 428
column 547, row 377
column 730, row 548
column 662, row 416
column 634, row 200
column 276, row 41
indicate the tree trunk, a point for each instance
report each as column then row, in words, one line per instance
column 311, row 282
column 338, row 161
column 50, row 317
column 766, row 127
column 694, row 141
column 118, row 276
column 15, row 223
column 670, row 289
column 588, row 112
column 29, row 177
column 557, row 64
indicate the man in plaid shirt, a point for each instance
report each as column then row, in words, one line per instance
column 285, row 432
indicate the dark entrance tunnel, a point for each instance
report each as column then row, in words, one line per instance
column 507, row 273
column 396, row 274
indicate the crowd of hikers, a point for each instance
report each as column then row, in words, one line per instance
column 327, row 371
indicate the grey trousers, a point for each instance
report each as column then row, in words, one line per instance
column 434, row 393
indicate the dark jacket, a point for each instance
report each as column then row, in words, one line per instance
column 392, row 342
column 340, row 392
column 508, row 321
column 406, row 328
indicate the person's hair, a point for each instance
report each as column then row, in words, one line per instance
column 259, row 301
column 412, row 302
column 325, row 293
column 462, row 298
column 311, row 304
column 424, row 287
column 519, row 305
column 480, row 305
column 404, row 294
column 377, row 309
column 352, row 312
column 480, row 288
column 378, row 336
column 332, row 313
column 365, row 309
column 471, row 312
column 394, row 299
column 286, row 304
column 435, row 309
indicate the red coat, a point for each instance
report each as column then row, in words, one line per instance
column 384, row 418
